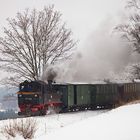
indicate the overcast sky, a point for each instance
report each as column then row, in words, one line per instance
column 82, row 16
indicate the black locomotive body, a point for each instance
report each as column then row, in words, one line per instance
column 37, row 97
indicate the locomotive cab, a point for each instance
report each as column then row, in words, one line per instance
column 37, row 97
column 30, row 99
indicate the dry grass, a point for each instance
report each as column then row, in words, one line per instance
column 122, row 103
column 134, row 102
column 24, row 127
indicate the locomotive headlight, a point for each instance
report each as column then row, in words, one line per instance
column 35, row 95
column 20, row 95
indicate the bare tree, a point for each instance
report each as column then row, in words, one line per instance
column 131, row 31
column 32, row 41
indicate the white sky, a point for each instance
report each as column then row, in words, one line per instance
column 82, row 16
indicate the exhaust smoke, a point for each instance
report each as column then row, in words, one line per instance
column 104, row 57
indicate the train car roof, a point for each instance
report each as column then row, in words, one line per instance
column 86, row 83
column 98, row 83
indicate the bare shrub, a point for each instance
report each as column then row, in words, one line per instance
column 24, row 127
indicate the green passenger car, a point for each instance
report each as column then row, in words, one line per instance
column 83, row 94
column 104, row 95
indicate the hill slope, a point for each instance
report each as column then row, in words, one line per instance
column 118, row 124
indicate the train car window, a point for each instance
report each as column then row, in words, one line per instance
column 28, row 87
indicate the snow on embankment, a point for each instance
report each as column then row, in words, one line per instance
column 119, row 124
column 47, row 124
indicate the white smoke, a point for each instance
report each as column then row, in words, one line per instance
column 104, row 56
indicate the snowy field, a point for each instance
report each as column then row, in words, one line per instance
column 122, row 123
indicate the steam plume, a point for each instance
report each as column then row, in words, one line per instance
column 50, row 73
column 104, row 56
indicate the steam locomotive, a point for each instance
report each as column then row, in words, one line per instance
column 38, row 97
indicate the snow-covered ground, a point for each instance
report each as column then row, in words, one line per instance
column 122, row 123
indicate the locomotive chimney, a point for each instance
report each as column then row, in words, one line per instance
column 50, row 84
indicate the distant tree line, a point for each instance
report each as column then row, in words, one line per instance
column 8, row 114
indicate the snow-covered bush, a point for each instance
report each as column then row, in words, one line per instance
column 24, row 127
